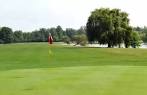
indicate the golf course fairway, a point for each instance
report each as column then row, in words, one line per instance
column 40, row 69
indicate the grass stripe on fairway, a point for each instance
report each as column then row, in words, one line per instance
column 132, row 82
column 103, row 80
column 61, row 81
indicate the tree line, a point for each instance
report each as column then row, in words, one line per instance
column 7, row 35
column 142, row 32
column 104, row 26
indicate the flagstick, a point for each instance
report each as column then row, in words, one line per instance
column 50, row 51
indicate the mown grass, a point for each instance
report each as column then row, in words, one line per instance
column 39, row 69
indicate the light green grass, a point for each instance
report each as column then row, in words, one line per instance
column 29, row 69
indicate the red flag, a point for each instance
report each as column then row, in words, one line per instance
column 50, row 39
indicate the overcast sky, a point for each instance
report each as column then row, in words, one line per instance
column 28, row 15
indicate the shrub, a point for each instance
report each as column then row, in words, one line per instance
column 80, row 40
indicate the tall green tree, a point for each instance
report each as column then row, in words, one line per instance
column 27, row 36
column 43, row 32
column 136, row 40
column 6, row 35
column 109, row 26
column 70, row 32
column 18, row 36
column 142, row 33
column 81, row 31
column 54, row 34
column 127, row 36
column 60, row 32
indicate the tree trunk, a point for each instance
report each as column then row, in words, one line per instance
column 109, row 45
column 126, row 45
column 119, row 46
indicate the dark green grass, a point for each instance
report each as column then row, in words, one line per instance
column 25, row 56
column 39, row 69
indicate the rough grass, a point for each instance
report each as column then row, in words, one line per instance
column 37, row 69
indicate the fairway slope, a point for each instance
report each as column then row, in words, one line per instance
column 39, row 69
